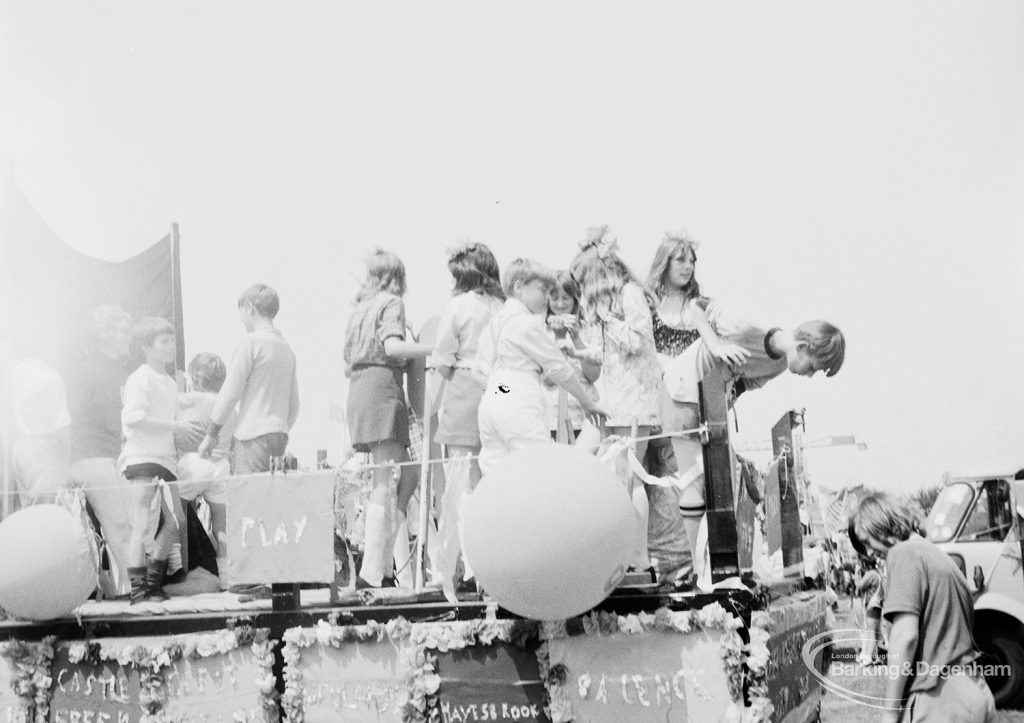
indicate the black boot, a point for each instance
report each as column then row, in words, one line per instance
column 139, row 586
column 155, row 580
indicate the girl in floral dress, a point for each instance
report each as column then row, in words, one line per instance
column 618, row 309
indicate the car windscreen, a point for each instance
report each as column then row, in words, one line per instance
column 948, row 511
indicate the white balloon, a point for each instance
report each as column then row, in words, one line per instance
column 548, row 532
column 46, row 570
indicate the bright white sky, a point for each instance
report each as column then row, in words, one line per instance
column 859, row 162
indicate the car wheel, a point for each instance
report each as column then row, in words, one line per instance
column 1008, row 685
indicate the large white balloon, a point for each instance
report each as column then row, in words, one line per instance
column 46, row 570
column 548, row 532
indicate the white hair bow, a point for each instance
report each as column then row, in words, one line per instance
column 600, row 238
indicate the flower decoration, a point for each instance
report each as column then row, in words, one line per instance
column 600, row 238
column 31, row 665
column 681, row 235
column 151, row 662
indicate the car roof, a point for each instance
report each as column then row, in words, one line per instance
column 994, row 472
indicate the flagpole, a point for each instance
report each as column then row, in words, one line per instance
column 6, row 406
column 176, row 306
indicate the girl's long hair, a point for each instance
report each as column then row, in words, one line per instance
column 384, row 272
column 601, row 275
column 474, row 268
column 673, row 243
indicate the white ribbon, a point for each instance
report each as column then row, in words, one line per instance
column 627, row 446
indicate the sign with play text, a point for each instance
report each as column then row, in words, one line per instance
column 280, row 527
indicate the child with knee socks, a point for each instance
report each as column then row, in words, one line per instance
column 149, row 422
column 376, row 352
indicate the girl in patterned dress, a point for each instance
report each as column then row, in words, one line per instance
column 618, row 309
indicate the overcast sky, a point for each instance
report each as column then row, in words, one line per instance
column 859, row 162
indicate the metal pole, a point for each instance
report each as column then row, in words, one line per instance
column 425, row 489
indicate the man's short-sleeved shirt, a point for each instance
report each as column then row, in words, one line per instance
column 921, row 579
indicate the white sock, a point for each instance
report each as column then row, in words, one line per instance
column 174, row 558
column 641, row 556
column 372, row 569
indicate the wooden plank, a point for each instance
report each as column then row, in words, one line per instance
column 788, row 491
column 718, row 474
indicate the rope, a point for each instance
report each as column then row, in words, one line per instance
column 396, row 465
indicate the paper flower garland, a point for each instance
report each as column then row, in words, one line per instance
column 31, row 665
column 745, row 664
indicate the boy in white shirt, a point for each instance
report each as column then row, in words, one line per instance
column 515, row 349
column 149, row 422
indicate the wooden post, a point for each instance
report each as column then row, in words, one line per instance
column 176, row 307
column 6, row 357
column 784, row 496
column 284, row 596
column 746, row 517
column 420, row 560
column 562, row 424
column 718, row 474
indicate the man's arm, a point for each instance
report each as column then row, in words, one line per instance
column 902, row 646
column 227, row 397
column 293, row 404
column 725, row 350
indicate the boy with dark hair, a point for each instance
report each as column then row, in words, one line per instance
column 262, row 382
column 814, row 346
column 932, row 655
column 149, row 457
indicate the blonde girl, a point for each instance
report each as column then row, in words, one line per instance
column 618, row 308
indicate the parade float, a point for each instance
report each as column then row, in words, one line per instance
column 319, row 650
column 561, row 635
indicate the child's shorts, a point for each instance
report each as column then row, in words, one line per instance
column 148, row 470
column 204, row 477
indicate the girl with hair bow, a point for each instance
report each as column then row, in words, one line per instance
column 617, row 307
